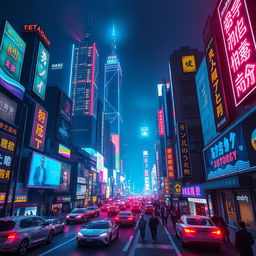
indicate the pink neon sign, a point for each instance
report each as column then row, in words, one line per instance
column 160, row 122
column 240, row 47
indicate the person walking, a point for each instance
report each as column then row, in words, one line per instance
column 142, row 227
column 153, row 223
column 164, row 215
column 224, row 229
column 244, row 241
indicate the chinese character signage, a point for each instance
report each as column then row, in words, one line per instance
column 216, row 88
column 39, row 128
column 7, row 149
column 12, row 52
column 193, row 191
column 160, row 122
column 8, row 128
column 177, row 188
column 188, row 64
column 8, row 109
column 65, row 107
column 170, row 163
column 240, row 47
column 184, row 149
column 41, row 71
column 166, row 187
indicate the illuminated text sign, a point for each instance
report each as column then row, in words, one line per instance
column 166, row 187
column 193, row 191
column 188, row 64
column 160, row 122
column 170, row 163
column 8, row 109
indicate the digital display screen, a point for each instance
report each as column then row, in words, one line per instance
column 64, row 151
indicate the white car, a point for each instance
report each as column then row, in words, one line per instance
column 98, row 233
column 198, row 230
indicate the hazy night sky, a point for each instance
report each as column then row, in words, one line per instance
column 148, row 31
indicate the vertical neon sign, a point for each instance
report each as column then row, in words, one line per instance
column 240, row 47
column 160, row 122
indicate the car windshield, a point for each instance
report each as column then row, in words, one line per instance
column 77, row 211
column 90, row 208
column 199, row 222
column 98, row 225
column 49, row 221
column 124, row 214
column 6, row 225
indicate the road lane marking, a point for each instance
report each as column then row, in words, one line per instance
column 127, row 245
column 134, row 244
column 173, row 243
column 56, row 247
column 137, row 224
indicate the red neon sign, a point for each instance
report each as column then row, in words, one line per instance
column 170, row 163
column 37, row 28
column 160, row 122
column 240, row 47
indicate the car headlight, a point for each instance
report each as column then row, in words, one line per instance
column 103, row 234
column 79, row 234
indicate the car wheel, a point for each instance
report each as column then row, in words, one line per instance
column 109, row 241
column 50, row 237
column 23, row 247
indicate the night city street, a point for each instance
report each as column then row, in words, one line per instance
column 127, row 128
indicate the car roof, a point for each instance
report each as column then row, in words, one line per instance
column 125, row 212
column 100, row 221
column 194, row 216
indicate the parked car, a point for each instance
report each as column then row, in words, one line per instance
column 125, row 218
column 58, row 225
column 198, row 230
column 98, row 232
column 17, row 234
column 113, row 210
column 149, row 209
column 78, row 215
column 93, row 211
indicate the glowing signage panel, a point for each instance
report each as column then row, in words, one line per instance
column 240, row 47
column 64, row 151
column 166, row 187
column 170, row 163
column 188, row 64
column 160, row 122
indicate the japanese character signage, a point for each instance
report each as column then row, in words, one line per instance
column 12, row 52
column 39, row 128
column 166, row 187
column 216, row 86
column 7, row 149
column 65, row 107
column 41, row 71
column 184, row 149
column 7, row 128
column 240, row 47
column 8, row 108
column 146, row 169
column 193, row 191
column 170, row 163
column 188, row 64
column 160, row 122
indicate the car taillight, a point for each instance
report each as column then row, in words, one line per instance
column 130, row 218
column 216, row 232
column 117, row 210
column 188, row 230
column 79, row 216
column 12, row 236
column 117, row 218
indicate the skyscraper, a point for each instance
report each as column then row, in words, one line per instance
column 85, row 71
column 112, row 84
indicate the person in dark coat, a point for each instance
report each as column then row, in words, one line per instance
column 244, row 241
column 224, row 229
column 39, row 177
column 142, row 227
column 164, row 215
column 153, row 223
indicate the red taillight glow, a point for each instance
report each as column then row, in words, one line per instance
column 216, row 232
column 188, row 230
column 117, row 218
column 79, row 216
column 130, row 218
column 12, row 236
column 197, row 218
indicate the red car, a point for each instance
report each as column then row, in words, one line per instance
column 113, row 210
column 149, row 209
column 122, row 206
column 136, row 208
column 104, row 207
column 93, row 211
column 125, row 218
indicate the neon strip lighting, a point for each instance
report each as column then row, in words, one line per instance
column 71, row 69
column 92, row 84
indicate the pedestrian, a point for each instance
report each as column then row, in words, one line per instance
column 224, row 229
column 164, row 215
column 142, row 227
column 244, row 241
column 153, row 223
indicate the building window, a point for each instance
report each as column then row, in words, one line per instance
column 229, row 206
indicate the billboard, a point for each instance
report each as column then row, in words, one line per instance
column 45, row 172
column 41, row 71
column 115, row 138
column 64, row 151
column 160, row 118
column 82, row 174
column 65, row 178
column 188, row 64
column 65, row 107
column 80, row 191
column 216, row 86
column 12, row 52
column 100, row 162
column 39, row 128
column 8, row 109
column 105, row 175
column 240, row 47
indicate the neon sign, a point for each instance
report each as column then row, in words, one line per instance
column 170, row 163
column 160, row 122
column 37, row 28
column 240, row 47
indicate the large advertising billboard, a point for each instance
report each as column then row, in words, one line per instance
column 8, row 109
column 82, row 174
column 41, row 71
column 80, row 191
column 65, row 177
column 45, row 172
column 240, row 47
column 12, row 52
column 65, row 107
column 64, row 151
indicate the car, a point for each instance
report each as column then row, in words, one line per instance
column 198, row 230
column 125, row 218
column 19, row 233
column 93, row 211
column 78, row 215
column 128, row 204
column 136, row 208
column 122, row 206
column 58, row 225
column 149, row 209
column 113, row 210
column 104, row 207
column 98, row 232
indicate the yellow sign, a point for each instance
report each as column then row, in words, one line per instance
column 94, row 199
column 188, row 64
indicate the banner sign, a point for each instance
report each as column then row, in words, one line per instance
column 193, row 191
column 8, row 108
column 170, row 163
column 166, row 187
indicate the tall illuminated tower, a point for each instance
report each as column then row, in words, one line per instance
column 85, row 69
column 112, row 84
